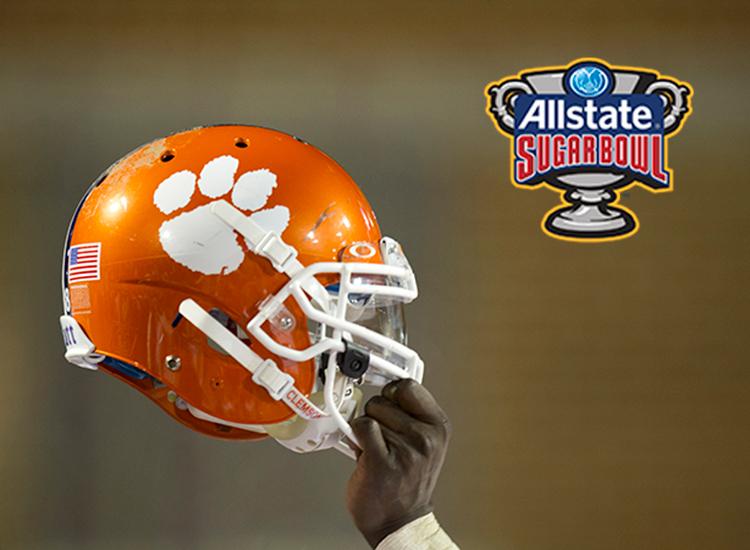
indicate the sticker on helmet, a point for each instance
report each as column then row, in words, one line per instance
column 80, row 299
column 363, row 251
column 84, row 262
column 196, row 238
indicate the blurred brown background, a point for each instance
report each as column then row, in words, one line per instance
column 599, row 392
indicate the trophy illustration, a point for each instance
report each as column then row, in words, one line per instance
column 589, row 212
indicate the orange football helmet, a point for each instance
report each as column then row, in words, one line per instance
column 237, row 276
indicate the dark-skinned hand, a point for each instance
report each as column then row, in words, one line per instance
column 404, row 436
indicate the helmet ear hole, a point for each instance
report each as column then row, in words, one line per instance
column 230, row 325
column 240, row 143
column 166, row 156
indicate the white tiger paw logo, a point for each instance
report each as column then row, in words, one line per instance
column 197, row 238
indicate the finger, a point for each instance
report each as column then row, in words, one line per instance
column 414, row 398
column 395, row 441
column 389, row 390
column 390, row 415
column 370, row 436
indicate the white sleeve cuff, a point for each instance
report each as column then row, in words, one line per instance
column 423, row 533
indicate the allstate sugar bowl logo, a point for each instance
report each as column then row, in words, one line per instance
column 589, row 131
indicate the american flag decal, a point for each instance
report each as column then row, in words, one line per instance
column 83, row 262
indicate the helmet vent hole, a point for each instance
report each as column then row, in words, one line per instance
column 166, row 156
column 241, row 143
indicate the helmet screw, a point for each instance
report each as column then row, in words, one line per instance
column 171, row 396
column 173, row 362
column 286, row 323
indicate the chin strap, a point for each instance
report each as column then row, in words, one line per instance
column 267, row 244
column 278, row 384
column 283, row 257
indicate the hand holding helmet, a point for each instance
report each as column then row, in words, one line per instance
column 404, row 437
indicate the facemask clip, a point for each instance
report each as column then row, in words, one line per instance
column 354, row 360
